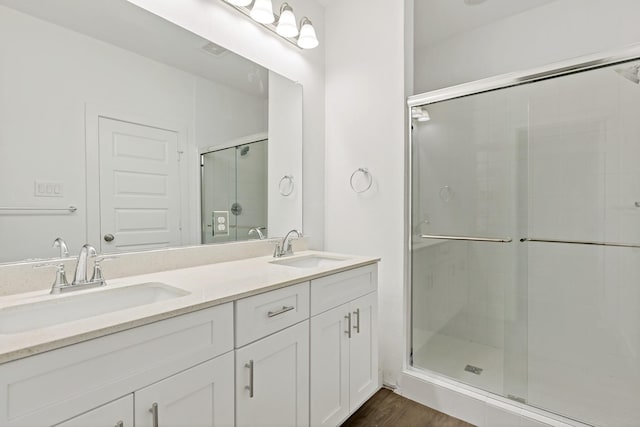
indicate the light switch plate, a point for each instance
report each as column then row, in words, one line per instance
column 48, row 189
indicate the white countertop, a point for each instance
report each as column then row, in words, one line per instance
column 208, row 285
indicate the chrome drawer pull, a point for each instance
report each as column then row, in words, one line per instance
column 154, row 413
column 284, row 309
column 348, row 331
column 357, row 325
column 250, row 386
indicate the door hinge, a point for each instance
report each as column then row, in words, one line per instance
column 180, row 153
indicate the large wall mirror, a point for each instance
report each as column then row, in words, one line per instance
column 126, row 131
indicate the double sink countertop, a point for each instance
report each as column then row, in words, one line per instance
column 178, row 292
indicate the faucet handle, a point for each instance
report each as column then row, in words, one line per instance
column 97, row 268
column 61, row 276
column 277, row 251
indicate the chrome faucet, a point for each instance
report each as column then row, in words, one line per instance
column 80, row 278
column 258, row 231
column 60, row 243
column 285, row 248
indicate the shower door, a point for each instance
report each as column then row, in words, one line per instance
column 234, row 192
column 525, row 211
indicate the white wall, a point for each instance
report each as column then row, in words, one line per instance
column 219, row 23
column 366, row 128
column 50, row 86
column 554, row 32
column 285, row 152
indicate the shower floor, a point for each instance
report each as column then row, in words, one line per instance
column 449, row 356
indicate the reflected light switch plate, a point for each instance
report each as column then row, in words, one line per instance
column 48, row 189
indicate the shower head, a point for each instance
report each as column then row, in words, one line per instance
column 631, row 73
column 244, row 150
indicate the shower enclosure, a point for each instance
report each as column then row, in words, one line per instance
column 525, row 239
column 234, row 192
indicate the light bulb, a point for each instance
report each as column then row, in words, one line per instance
column 239, row 2
column 262, row 12
column 287, row 26
column 307, row 39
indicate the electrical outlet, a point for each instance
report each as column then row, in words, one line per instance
column 220, row 221
column 48, row 189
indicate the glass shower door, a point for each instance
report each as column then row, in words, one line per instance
column 526, row 243
column 467, row 320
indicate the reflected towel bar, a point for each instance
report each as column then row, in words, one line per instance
column 467, row 238
column 581, row 242
column 70, row 209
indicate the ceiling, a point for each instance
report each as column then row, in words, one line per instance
column 123, row 24
column 436, row 20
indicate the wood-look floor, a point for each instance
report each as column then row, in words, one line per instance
column 387, row 409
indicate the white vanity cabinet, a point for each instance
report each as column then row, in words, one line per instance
column 344, row 349
column 66, row 384
column 272, row 372
column 118, row 413
column 201, row 396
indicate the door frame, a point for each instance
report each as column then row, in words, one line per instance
column 93, row 114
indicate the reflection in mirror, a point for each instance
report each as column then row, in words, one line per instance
column 105, row 110
column 234, row 192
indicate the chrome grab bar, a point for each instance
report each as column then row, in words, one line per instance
column 581, row 242
column 467, row 238
column 70, row 209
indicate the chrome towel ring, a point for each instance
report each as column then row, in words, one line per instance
column 356, row 184
column 286, row 185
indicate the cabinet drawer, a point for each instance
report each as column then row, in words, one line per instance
column 50, row 387
column 264, row 314
column 332, row 291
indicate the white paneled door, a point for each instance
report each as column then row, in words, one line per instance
column 139, row 186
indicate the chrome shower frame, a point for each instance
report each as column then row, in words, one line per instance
column 558, row 69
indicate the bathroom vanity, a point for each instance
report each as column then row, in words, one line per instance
column 259, row 341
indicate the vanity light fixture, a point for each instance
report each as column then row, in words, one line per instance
column 240, row 2
column 287, row 26
column 284, row 24
column 262, row 12
column 307, row 38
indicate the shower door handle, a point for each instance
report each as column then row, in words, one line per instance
column 468, row 238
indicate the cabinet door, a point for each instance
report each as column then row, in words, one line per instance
column 330, row 367
column 201, row 396
column 118, row 413
column 272, row 380
column 363, row 349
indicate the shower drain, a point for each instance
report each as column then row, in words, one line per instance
column 473, row 369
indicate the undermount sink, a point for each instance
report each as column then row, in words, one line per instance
column 49, row 312
column 309, row 261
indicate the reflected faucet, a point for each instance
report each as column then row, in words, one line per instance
column 285, row 248
column 60, row 243
column 258, row 231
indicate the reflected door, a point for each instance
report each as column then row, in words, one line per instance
column 139, row 186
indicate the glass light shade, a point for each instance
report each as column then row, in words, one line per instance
column 239, row 2
column 262, row 12
column 287, row 26
column 307, row 39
